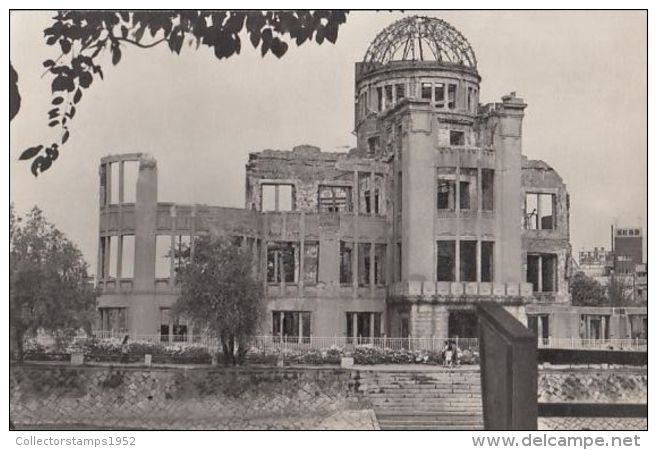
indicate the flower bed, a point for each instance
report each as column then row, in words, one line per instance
column 367, row 355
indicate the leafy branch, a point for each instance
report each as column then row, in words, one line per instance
column 83, row 35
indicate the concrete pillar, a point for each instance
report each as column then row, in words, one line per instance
column 508, row 200
column 302, row 252
column 300, row 333
column 372, row 325
column 540, row 273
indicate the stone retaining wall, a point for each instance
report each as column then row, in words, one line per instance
column 186, row 398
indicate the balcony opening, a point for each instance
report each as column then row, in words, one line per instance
column 456, row 137
column 334, row 199
column 346, row 274
column 446, row 260
column 468, row 260
column 487, row 189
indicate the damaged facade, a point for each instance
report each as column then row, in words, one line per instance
column 436, row 209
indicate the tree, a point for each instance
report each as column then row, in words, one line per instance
column 621, row 289
column 585, row 291
column 220, row 294
column 82, row 36
column 48, row 283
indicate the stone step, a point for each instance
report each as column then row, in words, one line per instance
column 423, row 421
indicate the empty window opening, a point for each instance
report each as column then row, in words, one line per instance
column 594, row 326
column 162, row 256
column 468, row 260
column 439, row 95
column 103, row 185
column 399, row 262
column 128, row 256
column 285, row 197
column 446, row 260
column 130, row 174
column 379, row 99
column 487, row 261
column 542, row 271
column 182, row 252
column 277, row 197
column 362, row 104
column 379, row 264
column 446, row 188
column 426, row 91
column 539, row 324
column 113, row 319
column 487, row 189
column 282, row 262
column 400, row 91
column 310, row 262
column 113, row 249
column 373, row 145
column 369, row 190
column 291, row 324
column 115, row 182
column 540, row 211
column 346, row 274
column 334, row 199
column 456, row 137
column 451, row 96
column 462, row 324
column 468, row 189
column 389, row 96
column 363, row 325
column 399, row 193
column 364, row 261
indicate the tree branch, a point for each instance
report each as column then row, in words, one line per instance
column 139, row 44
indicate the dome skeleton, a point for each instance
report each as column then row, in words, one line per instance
column 421, row 39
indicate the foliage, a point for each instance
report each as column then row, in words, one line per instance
column 620, row 290
column 367, row 354
column 83, row 36
column 48, row 283
column 220, row 294
column 585, row 291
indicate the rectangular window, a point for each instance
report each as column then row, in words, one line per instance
column 548, row 219
column 113, row 255
column 367, row 325
column 115, row 183
column 379, row 264
column 282, row 262
column 346, row 273
column 364, row 264
column 399, row 262
column 456, row 137
column 470, row 100
column 102, row 248
column 162, row 256
column 446, row 260
column 291, row 324
column 362, row 103
column 487, row 189
column 400, row 91
column 399, row 193
column 468, row 189
column 369, row 193
column 130, row 174
column 372, row 145
column 334, row 199
column 103, row 185
column 446, row 188
column 113, row 319
column 540, row 211
column 379, row 99
column 487, row 261
column 183, row 252
column 539, row 324
column 127, row 256
column 426, row 91
column 439, row 95
column 389, row 96
column 542, row 271
column 451, row 96
column 277, row 197
column 468, row 260
column 310, row 262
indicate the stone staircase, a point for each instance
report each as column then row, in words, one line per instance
column 438, row 399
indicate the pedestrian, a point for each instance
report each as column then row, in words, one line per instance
column 124, row 350
column 448, row 353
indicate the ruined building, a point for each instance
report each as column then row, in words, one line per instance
column 436, row 209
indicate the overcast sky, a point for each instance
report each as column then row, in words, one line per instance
column 583, row 75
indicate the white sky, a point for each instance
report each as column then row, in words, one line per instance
column 583, row 75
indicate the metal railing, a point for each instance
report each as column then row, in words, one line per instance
column 594, row 344
column 273, row 343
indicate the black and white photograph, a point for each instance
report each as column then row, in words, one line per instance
column 328, row 219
